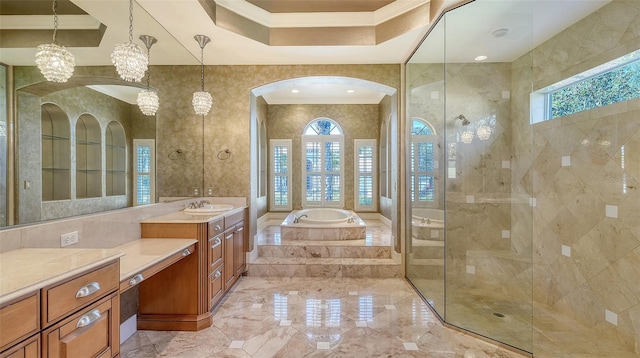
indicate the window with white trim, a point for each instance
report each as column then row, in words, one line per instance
column 615, row 81
column 322, row 164
column 280, row 150
column 423, row 163
column 365, row 174
column 262, row 160
column 144, row 173
column 384, row 143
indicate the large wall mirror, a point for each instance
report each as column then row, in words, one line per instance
column 67, row 149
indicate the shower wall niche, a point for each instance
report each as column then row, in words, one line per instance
column 532, row 239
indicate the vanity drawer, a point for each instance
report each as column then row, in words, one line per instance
column 216, row 227
column 215, row 252
column 233, row 219
column 216, row 285
column 92, row 332
column 63, row 299
column 19, row 319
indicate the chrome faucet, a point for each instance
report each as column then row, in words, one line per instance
column 296, row 219
column 198, row 204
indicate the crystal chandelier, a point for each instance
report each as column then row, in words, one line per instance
column 202, row 100
column 53, row 60
column 148, row 100
column 467, row 137
column 484, row 132
column 130, row 59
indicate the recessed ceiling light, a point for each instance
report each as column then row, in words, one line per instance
column 294, row 91
column 350, row 91
column 481, row 58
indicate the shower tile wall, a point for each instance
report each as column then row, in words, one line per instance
column 585, row 180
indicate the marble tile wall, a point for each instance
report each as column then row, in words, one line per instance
column 583, row 175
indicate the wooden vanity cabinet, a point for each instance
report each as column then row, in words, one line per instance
column 218, row 264
column 75, row 317
column 30, row 348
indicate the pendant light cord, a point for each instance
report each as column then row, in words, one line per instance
column 55, row 21
column 202, row 68
column 130, row 21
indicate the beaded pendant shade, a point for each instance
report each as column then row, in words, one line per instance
column 148, row 100
column 130, row 59
column 54, row 62
column 202, row 101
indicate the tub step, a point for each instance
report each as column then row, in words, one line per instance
column 325, row 250
column 425, row 268
column 324, row 267
column 427, row 249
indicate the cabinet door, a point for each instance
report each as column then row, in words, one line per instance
column 229, row 272
column 27, row 349
column 238, row 250
column 92, row 332
column 216, row 286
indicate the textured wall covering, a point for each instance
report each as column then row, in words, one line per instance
column 74, row 102
column 356, row 121
column 572, row 198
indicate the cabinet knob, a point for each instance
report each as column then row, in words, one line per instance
column 186, row 252
column 88, row 289
column 217, row 227
column 88, row 318
column 136, row 279
column 217, row 274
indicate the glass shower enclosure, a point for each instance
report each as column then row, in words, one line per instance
column 523, row 227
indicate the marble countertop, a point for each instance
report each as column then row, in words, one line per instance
column 144, row 253
column 181, row 217
column 26, row 270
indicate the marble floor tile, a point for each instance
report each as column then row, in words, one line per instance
column 316, row 317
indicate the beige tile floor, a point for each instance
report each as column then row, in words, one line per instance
column 317, row 317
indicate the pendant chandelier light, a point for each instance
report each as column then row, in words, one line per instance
column 54, row 61
column 130, row 59
column 202, row 100
column 148, row 100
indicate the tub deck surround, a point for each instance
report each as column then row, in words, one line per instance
column 284, row 256
column 324, row 224
column 24, row 271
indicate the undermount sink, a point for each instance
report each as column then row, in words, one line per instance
column 209, row 209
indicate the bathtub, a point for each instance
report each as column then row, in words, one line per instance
column 427, row 224
column 324, row 216
column 323, row 224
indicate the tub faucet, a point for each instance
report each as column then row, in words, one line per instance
column 296, row 219
column 202, row 203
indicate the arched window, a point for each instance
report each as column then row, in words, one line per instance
column 423, row 163
column 323, row 164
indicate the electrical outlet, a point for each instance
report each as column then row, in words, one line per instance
column 68, row 239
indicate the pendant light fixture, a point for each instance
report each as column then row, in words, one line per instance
column 54, row 61
column 130, row 59
column 148, row 100
column 202, row 100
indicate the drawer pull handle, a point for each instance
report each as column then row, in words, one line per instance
column 217, row 274
column 216, row 242
column 229, row 237
column 217, row 227
column 186, row 252
column 87, row 290
column 240, row 229
column 88, row 318
column 136, row 279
